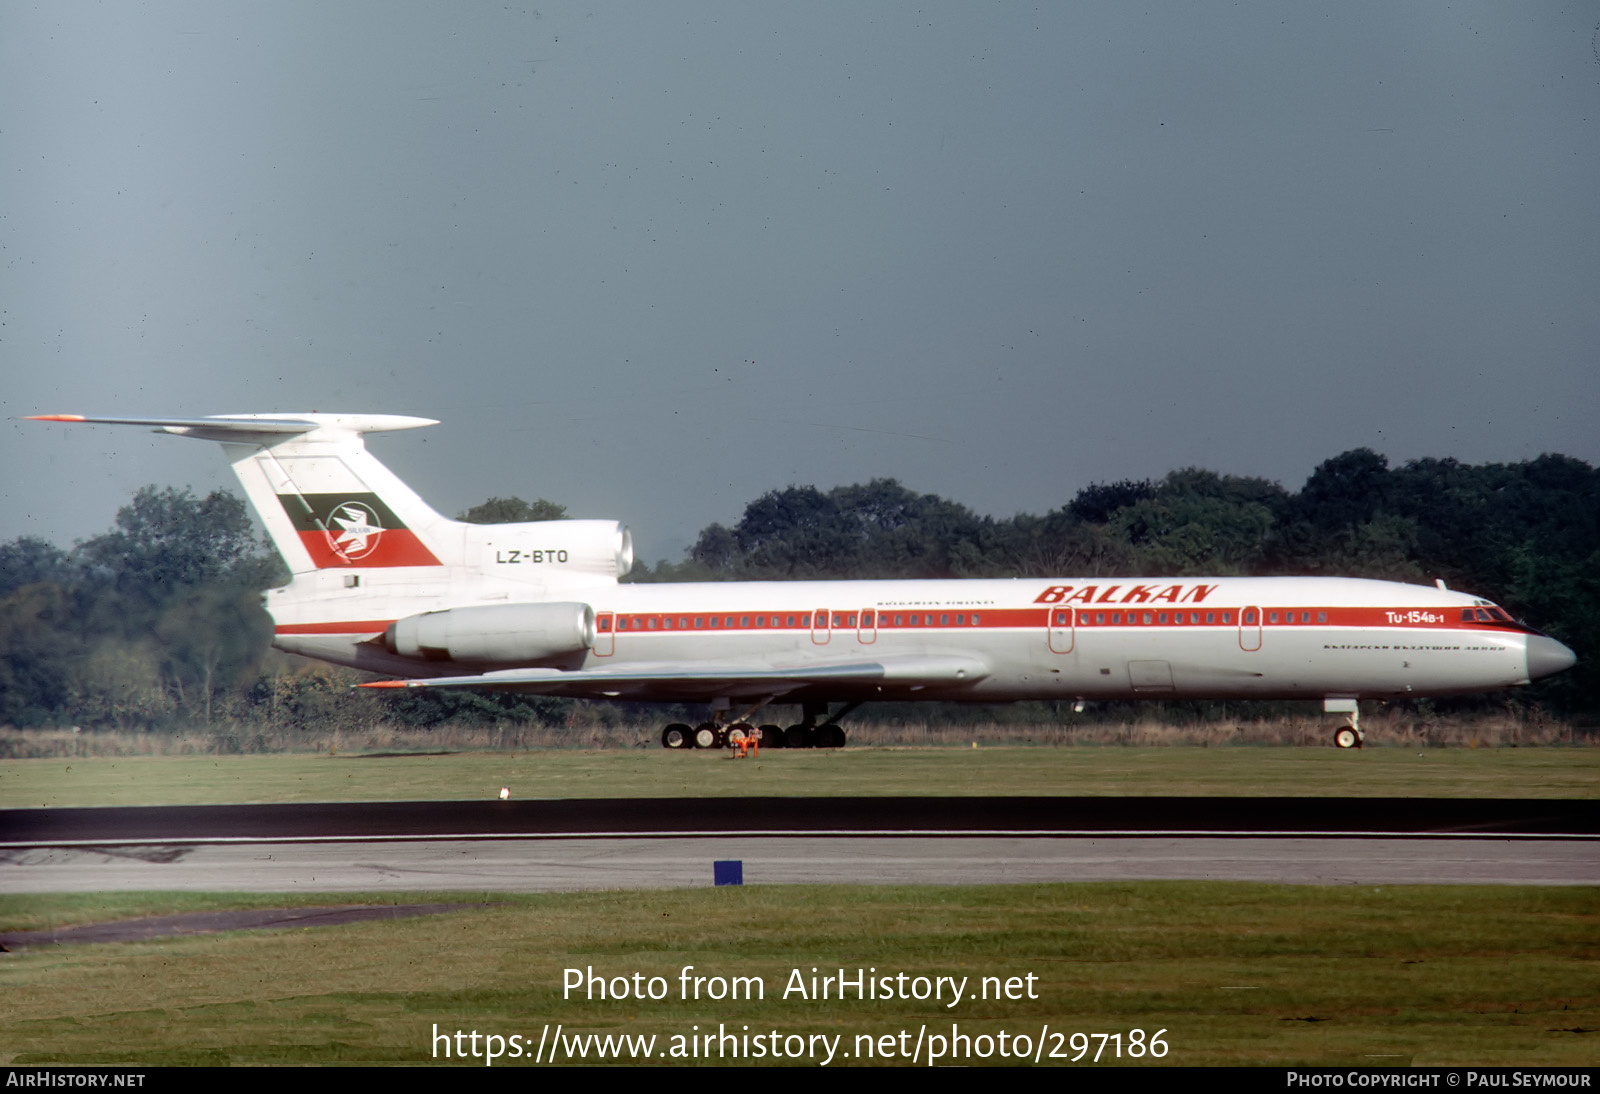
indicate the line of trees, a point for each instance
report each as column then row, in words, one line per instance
column 157, row 622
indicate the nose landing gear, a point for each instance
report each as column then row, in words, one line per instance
column 1348, row 735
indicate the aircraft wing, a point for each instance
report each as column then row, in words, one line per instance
column 909, row 673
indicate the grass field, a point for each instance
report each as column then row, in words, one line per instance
column 1234, row 974
column 572, row 773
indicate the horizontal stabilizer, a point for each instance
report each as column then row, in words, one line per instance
column 236, row 427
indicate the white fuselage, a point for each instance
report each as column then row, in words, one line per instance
column 1034, row 638
column 383, row 582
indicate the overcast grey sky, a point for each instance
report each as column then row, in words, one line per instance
column 652, row 260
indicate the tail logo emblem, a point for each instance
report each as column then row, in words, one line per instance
column 355, row 530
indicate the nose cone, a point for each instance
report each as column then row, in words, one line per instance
column 1546, row 657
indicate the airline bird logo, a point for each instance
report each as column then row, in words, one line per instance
column 355, row 530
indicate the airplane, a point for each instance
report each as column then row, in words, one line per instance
column 383, row 583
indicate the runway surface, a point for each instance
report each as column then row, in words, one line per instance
column 668, row 843
column 608, row 863
column 589, row 817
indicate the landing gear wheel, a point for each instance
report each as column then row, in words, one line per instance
column 1346, row 737
column 706, row 736
column 797, row 737
column 736, row 733
column 676, row 736
column 771, row 736
column 830, row 735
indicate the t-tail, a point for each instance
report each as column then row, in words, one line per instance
column 324, row 500
column 370, row 558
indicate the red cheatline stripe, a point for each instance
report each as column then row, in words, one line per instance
column 1131, row 615
column 639, row 623
column 355, row 626
column 54, row 417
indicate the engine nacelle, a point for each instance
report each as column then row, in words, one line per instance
column 550, row 552
column 497, row 633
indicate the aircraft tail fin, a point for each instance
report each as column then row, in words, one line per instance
column 326, row 502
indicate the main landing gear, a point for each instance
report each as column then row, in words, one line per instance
column 720, row 734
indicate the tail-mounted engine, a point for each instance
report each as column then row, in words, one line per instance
column 551, row 552
column 515, row 634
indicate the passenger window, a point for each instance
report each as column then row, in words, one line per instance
column 1147, row 618
column 974, row 619
column 1161, row 617
column 1272, row 617
column 1322, row 617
